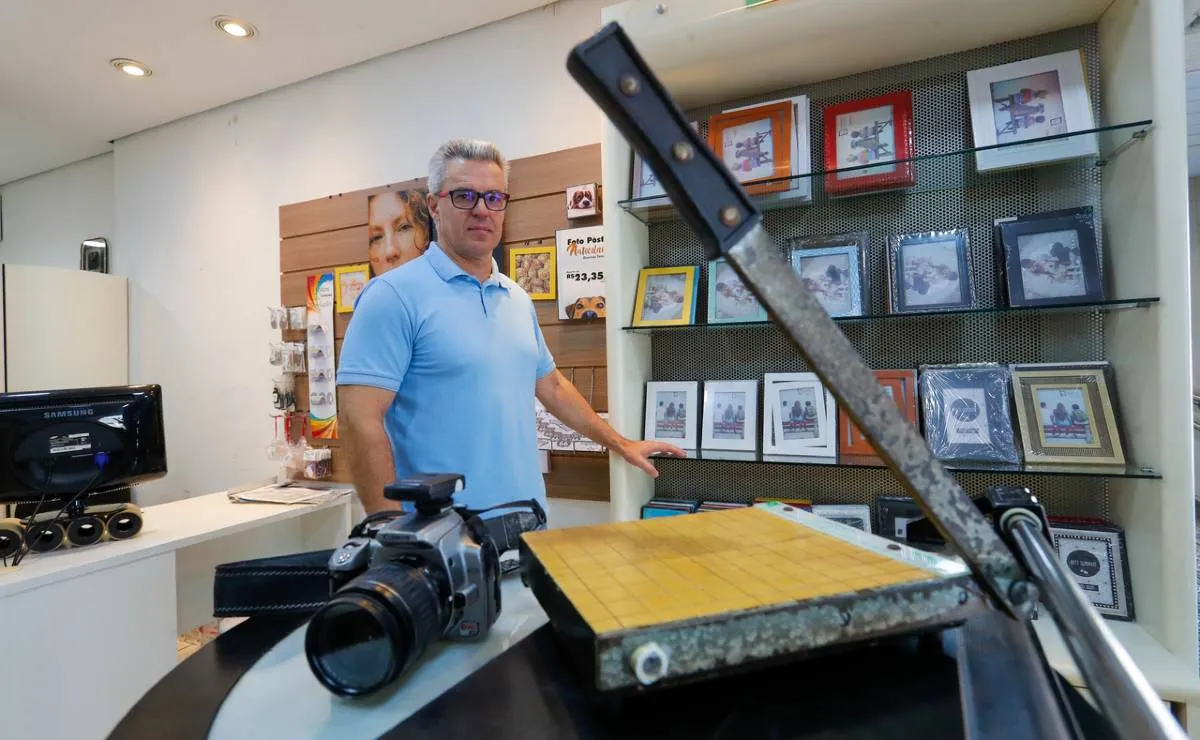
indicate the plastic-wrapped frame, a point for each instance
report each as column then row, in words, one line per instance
column 841, row 283
column 930, row 271
column 967, row 413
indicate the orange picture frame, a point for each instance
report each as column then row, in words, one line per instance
column 853, row 447
column 738, row 139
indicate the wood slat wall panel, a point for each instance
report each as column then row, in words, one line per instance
column 579, row 477
column 554, row 172
column 339, row 211
column 592, row 383
column 539, row 218
column 580, row 345
column 326, row 249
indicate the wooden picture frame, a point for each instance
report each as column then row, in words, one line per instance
column 930, row 271
column 966, row 413
column 1051, row 259
column 756, row 145
column 1067, row 413
column 869, row 144
column 666, row 296
column 535, row 269
column 348, row 284
column 853, row 447
column 1096, row 557
column 666, row 402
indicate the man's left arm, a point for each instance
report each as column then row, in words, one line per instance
column 563, row 399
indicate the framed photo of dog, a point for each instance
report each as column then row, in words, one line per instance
column 581, row 258
column 583, row 201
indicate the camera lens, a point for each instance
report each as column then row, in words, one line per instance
column 374, row 628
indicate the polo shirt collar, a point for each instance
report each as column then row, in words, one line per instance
column 448, row 270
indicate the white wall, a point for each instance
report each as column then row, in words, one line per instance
column 46, row 216
column 196, row 205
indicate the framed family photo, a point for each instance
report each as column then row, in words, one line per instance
column 756, row 145
column 1067, row 413
column 966, row 413
column 853, row 447
column 832, row 268
column 800, row 187
column 868, row 143
column 666, row 296
column 930, row 271
column 1051, row 258
column 671, row 412
column 730, row 415
column 729, row 300
column 534, row 269
column 1024, row 111
column 799, row 416
column 1096, row 556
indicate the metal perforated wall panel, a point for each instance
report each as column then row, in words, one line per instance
column 949, row 194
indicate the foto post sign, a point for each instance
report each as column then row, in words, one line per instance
column 581, row 265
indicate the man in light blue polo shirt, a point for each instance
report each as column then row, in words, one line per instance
column 444, row 356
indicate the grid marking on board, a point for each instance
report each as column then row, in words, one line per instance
column 641, row 573
column 962, row 198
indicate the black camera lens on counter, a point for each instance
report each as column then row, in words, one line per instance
column 376, row 627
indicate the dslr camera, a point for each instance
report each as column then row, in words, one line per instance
column 406, row 579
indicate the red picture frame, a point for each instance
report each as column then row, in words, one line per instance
column 860, row 132
column 853, row 447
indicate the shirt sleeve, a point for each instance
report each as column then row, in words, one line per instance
column 545, row 360
column 378, row 344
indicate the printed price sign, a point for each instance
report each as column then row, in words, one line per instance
column 581, row 264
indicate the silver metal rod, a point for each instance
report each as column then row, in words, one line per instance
column 1122, row 692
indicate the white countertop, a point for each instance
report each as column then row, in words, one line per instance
column 167, row 527
column 1170, row 677
column 282, row 678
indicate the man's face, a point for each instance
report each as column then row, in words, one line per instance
column 474, row 233
column 394, row 238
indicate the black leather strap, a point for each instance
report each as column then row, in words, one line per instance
column 289, row 584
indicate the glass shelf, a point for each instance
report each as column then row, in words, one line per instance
column 945, row 171
column 755, row 458
column 1117, row 304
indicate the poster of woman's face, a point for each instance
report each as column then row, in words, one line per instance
column 398, row 229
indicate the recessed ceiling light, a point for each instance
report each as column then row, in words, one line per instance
column 131, row 67
column 234, row 26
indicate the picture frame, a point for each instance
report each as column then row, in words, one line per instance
column 930, row 271
column 1051, row 259
column 756, row 145
column 1098, row 560
column 853, row 447
column 666, row 403
column 535, row 269
column 730, row 415
column 833, row 268
column 852, row 515
column 348, row 284
column 93, row 255
column 729, row 300
column 895, row 513
column 809, row 429
column 800, row 186
column 583, row 200
column 666, row 296
column 1067, row 413
column 966, row 413
column 1015, row 107
column 869, row 145
column 644, row 187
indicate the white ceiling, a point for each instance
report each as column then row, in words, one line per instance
column 61, row 101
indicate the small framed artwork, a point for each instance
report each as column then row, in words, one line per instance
column 799, row 416
column 832, row 270
column 1015, row 107
column 348, row 284
column 930, row 271
column 1052, row 259
column 583, row 200
column 644, row 185
column 1067, row 413
column 800, row 187
column 756, row 145
column 729, row 300
column 671, row 412
column 1095, row 555
column 853, row 447
column 666, row 296
column 966, row 413
column 852, row 515
column 730, row 415
column 868, row 144
column 534, row 269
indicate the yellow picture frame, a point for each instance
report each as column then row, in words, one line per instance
column 343, row 299
column 662, row 301
column 535, row 269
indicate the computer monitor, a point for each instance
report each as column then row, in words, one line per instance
column 57, row 443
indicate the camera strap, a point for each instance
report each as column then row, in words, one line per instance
column 506, row 530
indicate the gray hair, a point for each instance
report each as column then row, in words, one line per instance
column 467, row 150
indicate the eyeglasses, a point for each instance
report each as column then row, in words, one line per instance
column 464, row 198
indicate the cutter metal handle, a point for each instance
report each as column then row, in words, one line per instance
column 713, row 203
